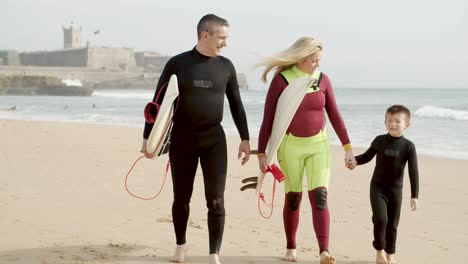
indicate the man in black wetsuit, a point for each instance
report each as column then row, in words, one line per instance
column 393, row 152
column 204, row 78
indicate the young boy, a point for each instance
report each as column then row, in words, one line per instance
column 393, row 152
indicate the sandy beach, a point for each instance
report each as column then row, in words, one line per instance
column 63, row 200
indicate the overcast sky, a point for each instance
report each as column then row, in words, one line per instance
column 367, row 43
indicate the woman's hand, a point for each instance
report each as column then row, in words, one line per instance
column 262, row 163
column 350, row 161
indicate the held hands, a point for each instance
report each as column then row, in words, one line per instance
column 350, row 161
column 143, row 149
column 414, row 204
column 244, row 147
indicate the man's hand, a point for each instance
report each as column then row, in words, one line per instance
column 244, row 147
column 414, row 204
column 143, row 149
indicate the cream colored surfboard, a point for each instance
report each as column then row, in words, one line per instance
column 160, row 133
column 287, row 105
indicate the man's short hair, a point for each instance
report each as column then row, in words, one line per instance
column 209, row 23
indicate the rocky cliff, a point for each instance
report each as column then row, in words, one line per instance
column 41, row 85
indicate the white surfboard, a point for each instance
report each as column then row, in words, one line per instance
column 160, row 133
column 287, row 105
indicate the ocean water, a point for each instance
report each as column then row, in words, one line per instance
column 439, row 123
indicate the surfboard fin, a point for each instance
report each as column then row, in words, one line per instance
column 253, row 180
column 250, row 179
column 249, row 186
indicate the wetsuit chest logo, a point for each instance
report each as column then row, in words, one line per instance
column 314, row 87
column 202, row 84
column 392, row 152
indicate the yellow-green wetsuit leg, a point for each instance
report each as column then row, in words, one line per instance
column 309, row 154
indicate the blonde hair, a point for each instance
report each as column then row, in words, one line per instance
column 300, row 49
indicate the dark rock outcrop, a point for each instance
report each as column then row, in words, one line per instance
column 41, row 85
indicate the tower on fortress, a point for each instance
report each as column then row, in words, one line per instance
column 71, row 36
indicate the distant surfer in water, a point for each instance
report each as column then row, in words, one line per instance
column 204, row 78
column 305, row 146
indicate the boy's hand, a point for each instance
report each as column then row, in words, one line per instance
column 414, row 204
column 351, row 164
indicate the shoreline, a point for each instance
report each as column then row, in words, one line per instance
column 360, row 148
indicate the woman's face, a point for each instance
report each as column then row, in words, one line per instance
column 310, row 63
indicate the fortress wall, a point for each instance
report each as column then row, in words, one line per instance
column 81, row 73
column 140, row 59
column 64, row 58
column 111, row 58
column 159, row 62
column 9, row 57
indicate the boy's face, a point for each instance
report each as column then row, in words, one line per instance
column 396, row 124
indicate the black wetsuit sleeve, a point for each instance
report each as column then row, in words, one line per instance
column 413, row 171
column 368, row 155
column 235, row 104
column 168, row 70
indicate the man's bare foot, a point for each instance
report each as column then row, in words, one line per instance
column 290, row 255
column 325, row 258
column 214, row 259
column 179, row 254
column 380, row 257
column 391, row 259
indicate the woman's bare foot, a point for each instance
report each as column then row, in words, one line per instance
column 179, row 254
column 214, row 259
column 325, row 258
column 380, row 257
column 391, row 259
column 290, row 255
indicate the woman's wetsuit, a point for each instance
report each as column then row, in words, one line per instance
column 197, row 135
column 305, row 147
column 386, row 185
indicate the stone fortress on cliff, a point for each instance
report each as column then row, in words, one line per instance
column 102, row 67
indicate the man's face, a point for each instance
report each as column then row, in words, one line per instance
column 216, row 40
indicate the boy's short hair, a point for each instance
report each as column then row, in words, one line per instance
column 398, row 109
column 209, row 23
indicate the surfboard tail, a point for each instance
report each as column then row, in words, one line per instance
column 159, row 138
column 261, row 177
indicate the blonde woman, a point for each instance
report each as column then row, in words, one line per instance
column 305, row 147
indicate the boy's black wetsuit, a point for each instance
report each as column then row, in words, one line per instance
column 197, row 134
column 386, row 185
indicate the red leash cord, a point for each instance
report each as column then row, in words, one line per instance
column 152, row 119
column 261, row 196
column 278, row 176
column 139, row 197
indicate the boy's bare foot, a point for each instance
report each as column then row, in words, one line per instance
column 391, row 259
column 179, row 254
column 214, row 259
column 325, row 258
column 380, row 257
column 290, row 255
